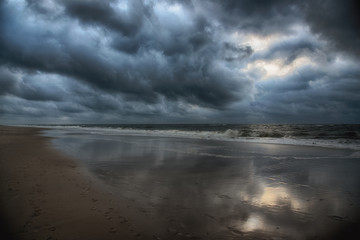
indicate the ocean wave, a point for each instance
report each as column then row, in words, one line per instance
column 246, row 133
column 261, row 135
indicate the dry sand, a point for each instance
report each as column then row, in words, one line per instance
column 46, row 195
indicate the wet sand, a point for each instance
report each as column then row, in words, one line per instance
column 127, row 187
column 46, row 195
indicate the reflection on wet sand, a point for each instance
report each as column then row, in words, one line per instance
column 227, row 190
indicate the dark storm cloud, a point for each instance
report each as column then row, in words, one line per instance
column 175, row 59
column 7, row 81
column 125, row 44
column 39, row 6
column 232, row 53
column 337, row 22
column 26, row 87
column 51, row 52
column 293, row 83
column 310, row 96
column 102, row 13
column 214, row 87
column 264, row 16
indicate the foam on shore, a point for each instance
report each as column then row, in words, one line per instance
column 271, row 137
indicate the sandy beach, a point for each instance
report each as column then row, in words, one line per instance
column 45, row 195
column 85, row 186
column 177, row 120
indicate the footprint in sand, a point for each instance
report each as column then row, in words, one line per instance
column 122, row 219
column 223, row 196
column 36, row 213
column 234, row 230
column 210, row 216
column 52, row 229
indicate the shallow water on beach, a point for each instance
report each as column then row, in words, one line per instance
column 227, row 190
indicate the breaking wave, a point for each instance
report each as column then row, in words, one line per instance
column 333, row 136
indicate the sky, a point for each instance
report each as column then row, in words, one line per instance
column 179, row 61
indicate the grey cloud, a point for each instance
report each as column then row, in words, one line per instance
column 57, row 54
column 31, row 97
column 143, row 64
column 136, row 80
column 204, row 83
column 18, row 107
column 170, row 40
column 309, row 97
column 173, row 39
column 71, row 108
column 26, row 87
column 290, row 50
column 336, row 21
column 297, row 82
column 40, row 6
column 102, row 13
column 36, row 93
column 7, row 81
column 127, row 45
column 263, row 17
column 102, row 103
column 232, row 53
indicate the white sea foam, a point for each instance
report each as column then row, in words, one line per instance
column 228, row 135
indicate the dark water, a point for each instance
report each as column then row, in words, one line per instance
column 313, row 131
column 334, row 136
column 213, row 189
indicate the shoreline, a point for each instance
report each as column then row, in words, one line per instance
column 341, row 144
column 47, row 195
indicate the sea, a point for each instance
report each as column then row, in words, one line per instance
column 226, row 181
column 341, row 136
